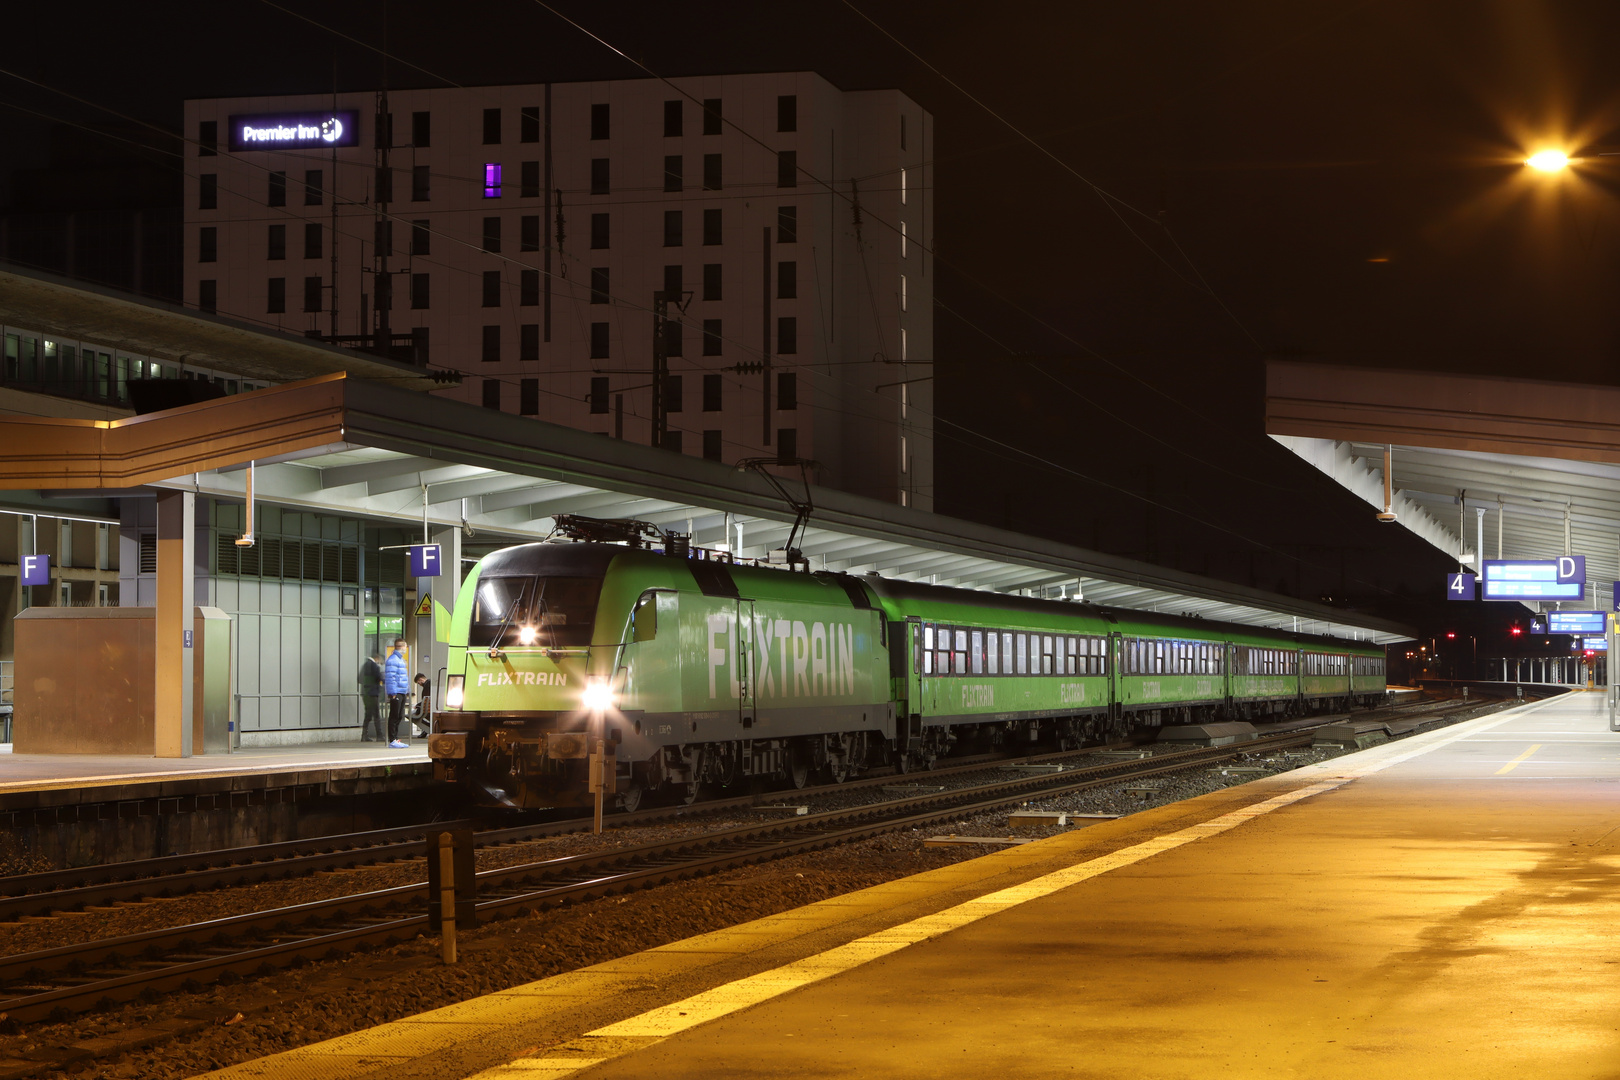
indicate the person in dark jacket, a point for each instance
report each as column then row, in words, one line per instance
column 397, row 684
column 371, row 680
column 422, row 714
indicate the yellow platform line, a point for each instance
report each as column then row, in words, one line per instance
column 1514, row 764
column 638, row 1032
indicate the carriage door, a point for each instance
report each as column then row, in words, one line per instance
column 743, row 665
column 1115, row 655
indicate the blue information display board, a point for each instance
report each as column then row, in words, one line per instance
column 1576, row 622
column 1538, row 579
column 1599, row 643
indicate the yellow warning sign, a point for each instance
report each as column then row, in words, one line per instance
column 425, row 607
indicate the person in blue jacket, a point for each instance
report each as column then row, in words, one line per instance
column 397, row 685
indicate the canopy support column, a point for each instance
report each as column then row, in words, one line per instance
column 172, row 650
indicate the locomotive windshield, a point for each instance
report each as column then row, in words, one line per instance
column 542, row 612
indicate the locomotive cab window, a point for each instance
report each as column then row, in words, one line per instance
column 644, row 619
column 556, row 612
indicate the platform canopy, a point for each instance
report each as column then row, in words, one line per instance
column 1540, row 459
column 358, row 448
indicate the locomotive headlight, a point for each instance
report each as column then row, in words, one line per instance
column 598, row 695
column 526, row 635
column 453, row 693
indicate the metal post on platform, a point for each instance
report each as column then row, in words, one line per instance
column 447, row 895
column 1614, row 688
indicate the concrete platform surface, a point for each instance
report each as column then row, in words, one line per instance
column 44, row 772
column 1438, row 906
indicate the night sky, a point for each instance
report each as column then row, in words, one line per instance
column 1315, row 181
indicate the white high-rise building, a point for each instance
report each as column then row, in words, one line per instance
column 523, row 235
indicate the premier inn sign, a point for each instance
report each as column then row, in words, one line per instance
column 295, row 131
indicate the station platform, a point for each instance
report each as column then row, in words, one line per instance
column 1436, row 906
column 73, row 809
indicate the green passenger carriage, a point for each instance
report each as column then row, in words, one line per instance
column 695, row 670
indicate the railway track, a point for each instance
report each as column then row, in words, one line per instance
column 56, row 983
column 34, row 895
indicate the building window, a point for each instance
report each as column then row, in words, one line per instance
column 599, row 341
column 421, row 183
column 278, row 189
column 492, row 127
column 421, row 129
column 312, row 294
column 902, row 131
column 276, row 245
column 672, row 338
column 787, row 444
column 419, row 292
column 314, row 187
column 902, row 239
column 599, row 232
column 787, row 224
column 383, row 237
column 711, row 172
column 711, row 393
column 787, row 112
column 492, row 345
column 711, row 228
column 711, row 116
column 531, row 180
column 383, row 287
column 672, row 119
column 207, row 138
column 529, row 124
column 529, row 397
column 902, row 344
column 599, row 121
column 492, row 180
column 207, row 295
column 674, row 398
column 711, row 445
column 711, row 338
column 672, row 441
column 902, row 187
column 711, row 281
column 787, row 335
column 492, row 288
column 787, row 280
column 599, row 176
column 673, row 172
column 492, row 235
column 529, row 232
column 787, row 169
column 492, row 387
column 787, row 391
column 599, row 285
column 673, row 286
column 421, row 238
column 672, row 228
column 529, row 288
column 902, row 292
column 208, row 244
column 276, row 303
column 208, row 191
column 385, row 184
column 385, row 132
column 599, row 394
column 529, row 343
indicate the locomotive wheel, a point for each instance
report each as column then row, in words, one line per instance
column 630, row 798
column 798, row 772
column 838, row 770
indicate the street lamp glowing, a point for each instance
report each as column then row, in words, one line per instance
column 1550, row 161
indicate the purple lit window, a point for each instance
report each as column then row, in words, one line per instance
column 492, row 180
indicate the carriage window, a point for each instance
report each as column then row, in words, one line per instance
column 978, row 652
column 644, row 619
column 1073, row 649
column 959, row 654
column 1023, row 656
column 991, row 654
column 928, row 637
column 1046, row 654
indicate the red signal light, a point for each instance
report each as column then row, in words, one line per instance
column 1515, row 631
column 1451, row 635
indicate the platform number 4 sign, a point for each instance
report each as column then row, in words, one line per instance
column 1460, row 586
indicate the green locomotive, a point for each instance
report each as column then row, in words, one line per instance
column 696, row 670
